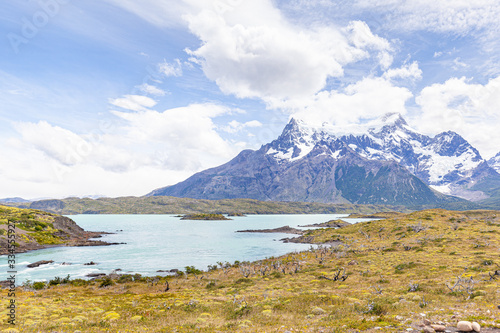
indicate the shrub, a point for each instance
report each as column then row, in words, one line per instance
column 125, row 278
column 57, row 280
column 79, row 282
column 106, row 282
column 192, row 270
column 38, row 285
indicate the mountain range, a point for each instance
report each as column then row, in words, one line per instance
column 381, row 162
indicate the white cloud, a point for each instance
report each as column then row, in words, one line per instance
column 185, row 136
column 171, row 69
column 57, row 143
column 456, row 16
column 151, row 90
column 144, row 150
column 367, row 99
column 235, row 126
column 361, row 37
column 411, row 71
column 458, row 64
column 133, row 102
column 253, row 51
column 466, row 108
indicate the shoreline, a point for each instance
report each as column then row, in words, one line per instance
column 300, row 239
column 84, row 239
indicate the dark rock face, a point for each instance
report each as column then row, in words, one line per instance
column 39, row 263
column 317, row 178
column 68, row 227
column 386, row 164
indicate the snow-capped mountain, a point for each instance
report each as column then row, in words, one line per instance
column 382, row 162
column 494, row 162
column 446, row 162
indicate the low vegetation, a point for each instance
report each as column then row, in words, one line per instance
column 205, row 217
column 171, row 205
column 32, row 229
column 385, row 275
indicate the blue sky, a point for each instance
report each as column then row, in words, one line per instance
column 117, row 97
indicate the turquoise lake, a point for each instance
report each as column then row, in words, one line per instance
column 164, row 242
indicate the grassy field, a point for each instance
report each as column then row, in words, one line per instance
column 385, row 276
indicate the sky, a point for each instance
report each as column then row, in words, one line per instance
column 120, row 97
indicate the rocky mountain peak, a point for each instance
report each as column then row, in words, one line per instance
column 494, row 162
column 393, row 119
column 447, row 162
column 452, row 144
column 381, row 161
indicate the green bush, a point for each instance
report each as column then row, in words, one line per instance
column 125, row 278
column 106, row 282
column 192, row 270
column 38, row 285
column 79, row 282
column 57, row 280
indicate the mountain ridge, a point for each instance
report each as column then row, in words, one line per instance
column 341, row 165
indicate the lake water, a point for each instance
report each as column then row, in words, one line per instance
column 164, row 242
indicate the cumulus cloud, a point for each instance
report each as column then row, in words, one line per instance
column 466, row 108
column 186, row 137
column 367, row 99
column 133, row 102
column 408, row 71
column 362, row 38
column 152, row 148
column 250, row 52
column 57, row 143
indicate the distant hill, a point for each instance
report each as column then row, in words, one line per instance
column 172, row 205
column 12, row 200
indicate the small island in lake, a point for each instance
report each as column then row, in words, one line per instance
column 329, row 224
column 205, row 217
column 236, row 214
column 284, row 230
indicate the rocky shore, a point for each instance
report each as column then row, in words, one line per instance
column 303, row 238
column 329, row 224
column 36, row 230
column 284, row 230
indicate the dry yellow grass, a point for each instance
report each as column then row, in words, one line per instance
column 397, row 272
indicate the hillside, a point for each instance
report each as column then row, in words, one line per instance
column 395, row 275
column 171, row 205
column 35, row 229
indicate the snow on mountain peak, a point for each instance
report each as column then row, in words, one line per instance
column 446, row 161
column 494, row 162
